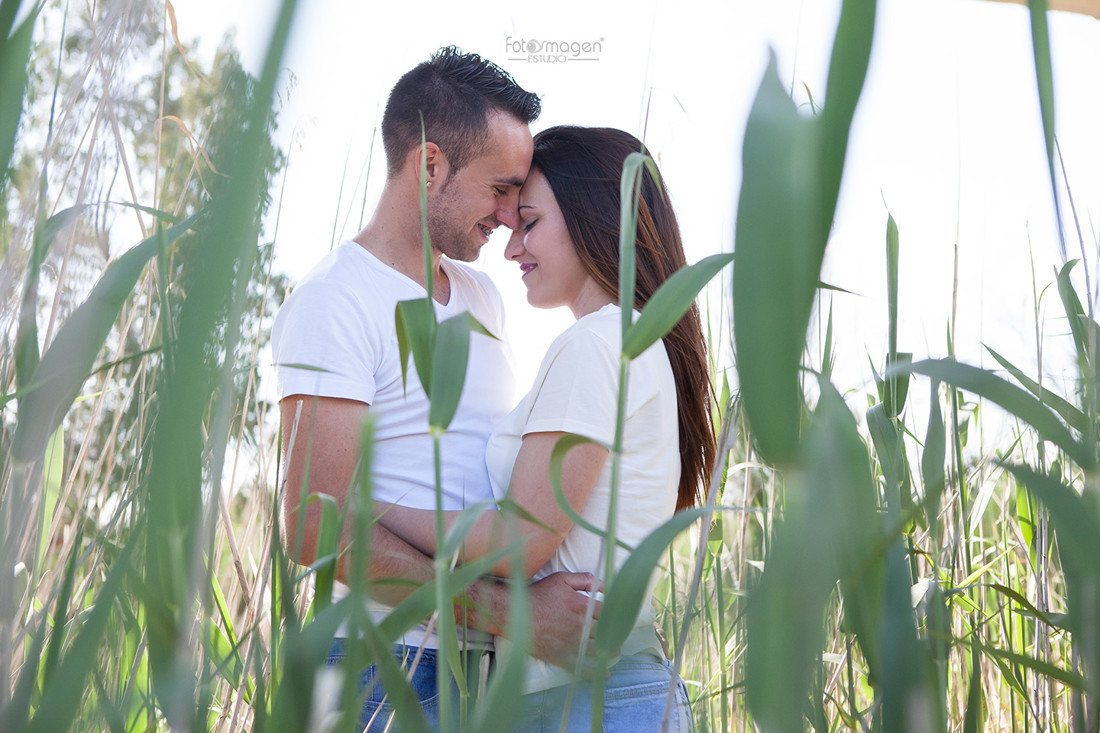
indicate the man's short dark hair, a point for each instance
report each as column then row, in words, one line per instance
column 455, row 92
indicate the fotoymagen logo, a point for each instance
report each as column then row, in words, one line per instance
column 538, row 51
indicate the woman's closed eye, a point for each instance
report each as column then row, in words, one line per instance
column 527, row 226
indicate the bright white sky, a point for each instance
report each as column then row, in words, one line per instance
column 948, row 136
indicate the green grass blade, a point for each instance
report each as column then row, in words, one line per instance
column 847, row 72
column 630, row 188
column 894, row 388
column 60, row 701
column 629, row 588
column 933, row 473
column 68, row 361
column 1009, row 397
column 892, row 255
column 26, row 341
column 974, row 721
column 450, row 359
column 462, row 525
column 1068, row 412
column 52, row 476
column 1076, row 526
column 891, row 459
column 829, row 533
column 1044, row 77
column 1085, row 331
column 669, row 304
column 15, row 54
column 502, row 699
column 557, row 461
column 421, row 603
column 415, row 320
column 1039, row 666
column 328, row 545
column 778, row 264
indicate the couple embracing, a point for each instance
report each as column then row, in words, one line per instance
column 559, row 194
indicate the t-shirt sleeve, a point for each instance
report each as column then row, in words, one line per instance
column 322, row 345
column 579, row 392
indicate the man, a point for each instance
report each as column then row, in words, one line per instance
column 340, row 322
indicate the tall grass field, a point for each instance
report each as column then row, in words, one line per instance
column 854, row 568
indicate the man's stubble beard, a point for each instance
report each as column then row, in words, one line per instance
column 445, row 235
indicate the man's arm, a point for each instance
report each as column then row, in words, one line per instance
column 326, row 445
column 530, row 489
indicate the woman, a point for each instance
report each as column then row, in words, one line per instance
column 567, row 249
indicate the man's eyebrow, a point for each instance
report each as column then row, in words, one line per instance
column 517, row 182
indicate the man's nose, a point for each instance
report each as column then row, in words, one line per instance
column 514, row 248
column 507, row 212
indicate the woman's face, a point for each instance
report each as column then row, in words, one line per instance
column 548, row 261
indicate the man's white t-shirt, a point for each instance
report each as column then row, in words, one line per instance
column 577, row 391
column 335, row 336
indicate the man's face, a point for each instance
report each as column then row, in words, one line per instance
column 468, row 205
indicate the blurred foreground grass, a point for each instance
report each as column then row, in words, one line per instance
column 855, row 574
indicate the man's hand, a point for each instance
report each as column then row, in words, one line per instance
column 558, row 618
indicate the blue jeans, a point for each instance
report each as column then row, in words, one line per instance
column 634, row 701
column 377, row 709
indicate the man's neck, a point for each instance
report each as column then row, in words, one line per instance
column 389, row 238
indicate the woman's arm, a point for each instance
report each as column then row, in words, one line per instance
column 530, row 489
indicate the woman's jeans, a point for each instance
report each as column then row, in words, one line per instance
column 635, row 696
column 634, row 701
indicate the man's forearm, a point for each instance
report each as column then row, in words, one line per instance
column 394, row 568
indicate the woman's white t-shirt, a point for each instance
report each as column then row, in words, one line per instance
column 577, row 391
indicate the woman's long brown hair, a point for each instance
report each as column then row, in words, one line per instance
column 584, row 166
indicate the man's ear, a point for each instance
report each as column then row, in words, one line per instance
column 435, row 162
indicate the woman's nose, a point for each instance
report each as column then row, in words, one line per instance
column 514, row 248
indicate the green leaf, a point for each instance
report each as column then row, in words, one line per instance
column 416, row 324
column 462, row 525
column 830, row 532
column 1084, row 337
column 68, row 361
column 629, row 588
column 1073, row 416
column 421, row 603
column 778, row 263
column 26, row 341
column 450, row 358
column 52, row 476
column 1044, row 78
column 502, row 700
column 58, row 706
column 974, row 721
column 847, row 72
column 1075, row 524
column 557, row 461
column 328, row 544
column 892, row 461
column 894, row 389
column 630, row 188
column 1011, row 398
column 15, row 55
column 932, row 461
column 1039, row 666
column 670, row 302
column 892, row 255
